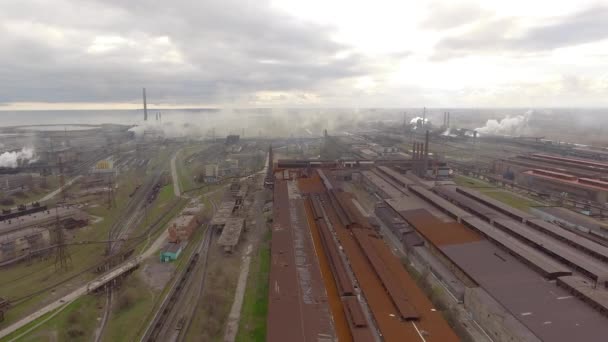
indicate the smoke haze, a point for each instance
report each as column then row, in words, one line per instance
column 11, row 159
column 510, row 125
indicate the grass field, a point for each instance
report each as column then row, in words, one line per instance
column 470, row 182
column 131, row 304
column 252, row 326
column 515, row 201
column 506, row 197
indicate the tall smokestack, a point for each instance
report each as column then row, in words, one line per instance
column 145, row 106
column 448, row 119
column 424, row 117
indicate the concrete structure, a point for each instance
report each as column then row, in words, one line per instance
column 23, row 242
column 171, row 252
column 69, row 217
column 232, row 139
column 211, row 173
column 229, row 168
column 231, row 233
column 17, row 182
column 223, row 213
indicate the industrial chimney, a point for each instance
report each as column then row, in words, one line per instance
column 145, row 106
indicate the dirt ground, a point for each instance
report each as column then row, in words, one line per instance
column 157, row 274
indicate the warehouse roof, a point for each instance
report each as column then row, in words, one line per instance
column 550, row 312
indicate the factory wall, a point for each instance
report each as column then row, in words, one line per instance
column 557, row 187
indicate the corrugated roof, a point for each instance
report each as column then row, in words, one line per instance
column 550, row 312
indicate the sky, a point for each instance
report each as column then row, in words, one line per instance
column 98, row 54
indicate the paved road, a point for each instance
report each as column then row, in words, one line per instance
column 176, row 188
column 56, row 192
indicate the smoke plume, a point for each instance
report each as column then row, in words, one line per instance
column 510, row 125
column 13, row 159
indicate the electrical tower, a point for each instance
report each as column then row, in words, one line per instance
column 111, row 198
column 62, row 186
column 62, row 256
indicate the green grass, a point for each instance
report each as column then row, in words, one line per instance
column 470, row 182
column 506, row 197
column 252, row 326
column 28, row 326
column 515, row 201
column 75, row 323
column 23, row 279
column 132, row 302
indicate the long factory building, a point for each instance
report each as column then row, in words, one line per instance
column 332, row 275
column 510, row 254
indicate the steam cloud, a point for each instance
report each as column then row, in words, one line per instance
column 510, row 125
column 415, row 120
column 268, row 123
column 11, row 159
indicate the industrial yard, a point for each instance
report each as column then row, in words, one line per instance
column 375, row 234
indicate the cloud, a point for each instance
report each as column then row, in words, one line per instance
column 183, row 51
column 447, row 15
column 500, row 35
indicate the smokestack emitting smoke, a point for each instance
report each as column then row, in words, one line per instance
column 145, row 106
column 11, row 159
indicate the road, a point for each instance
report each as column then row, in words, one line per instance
column 51, row 195
column 175, row 177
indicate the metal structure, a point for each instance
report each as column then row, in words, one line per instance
column 145, row 105
column 62, row 256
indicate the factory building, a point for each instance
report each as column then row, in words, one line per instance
column 231, row 233
column 211, row 173
column 575, row 178
column 18, row 182
column 23, row 242
column 171, row 251
column 69, row 218
column 182, row 227
column 558, row 183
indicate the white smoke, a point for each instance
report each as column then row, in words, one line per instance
column 415, row 120
column 510, row 125
column 11, row 159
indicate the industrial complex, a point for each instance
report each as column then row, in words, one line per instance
column 373, row 232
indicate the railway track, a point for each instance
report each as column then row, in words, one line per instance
column 168, row 324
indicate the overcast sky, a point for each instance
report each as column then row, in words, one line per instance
column 294, row 53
